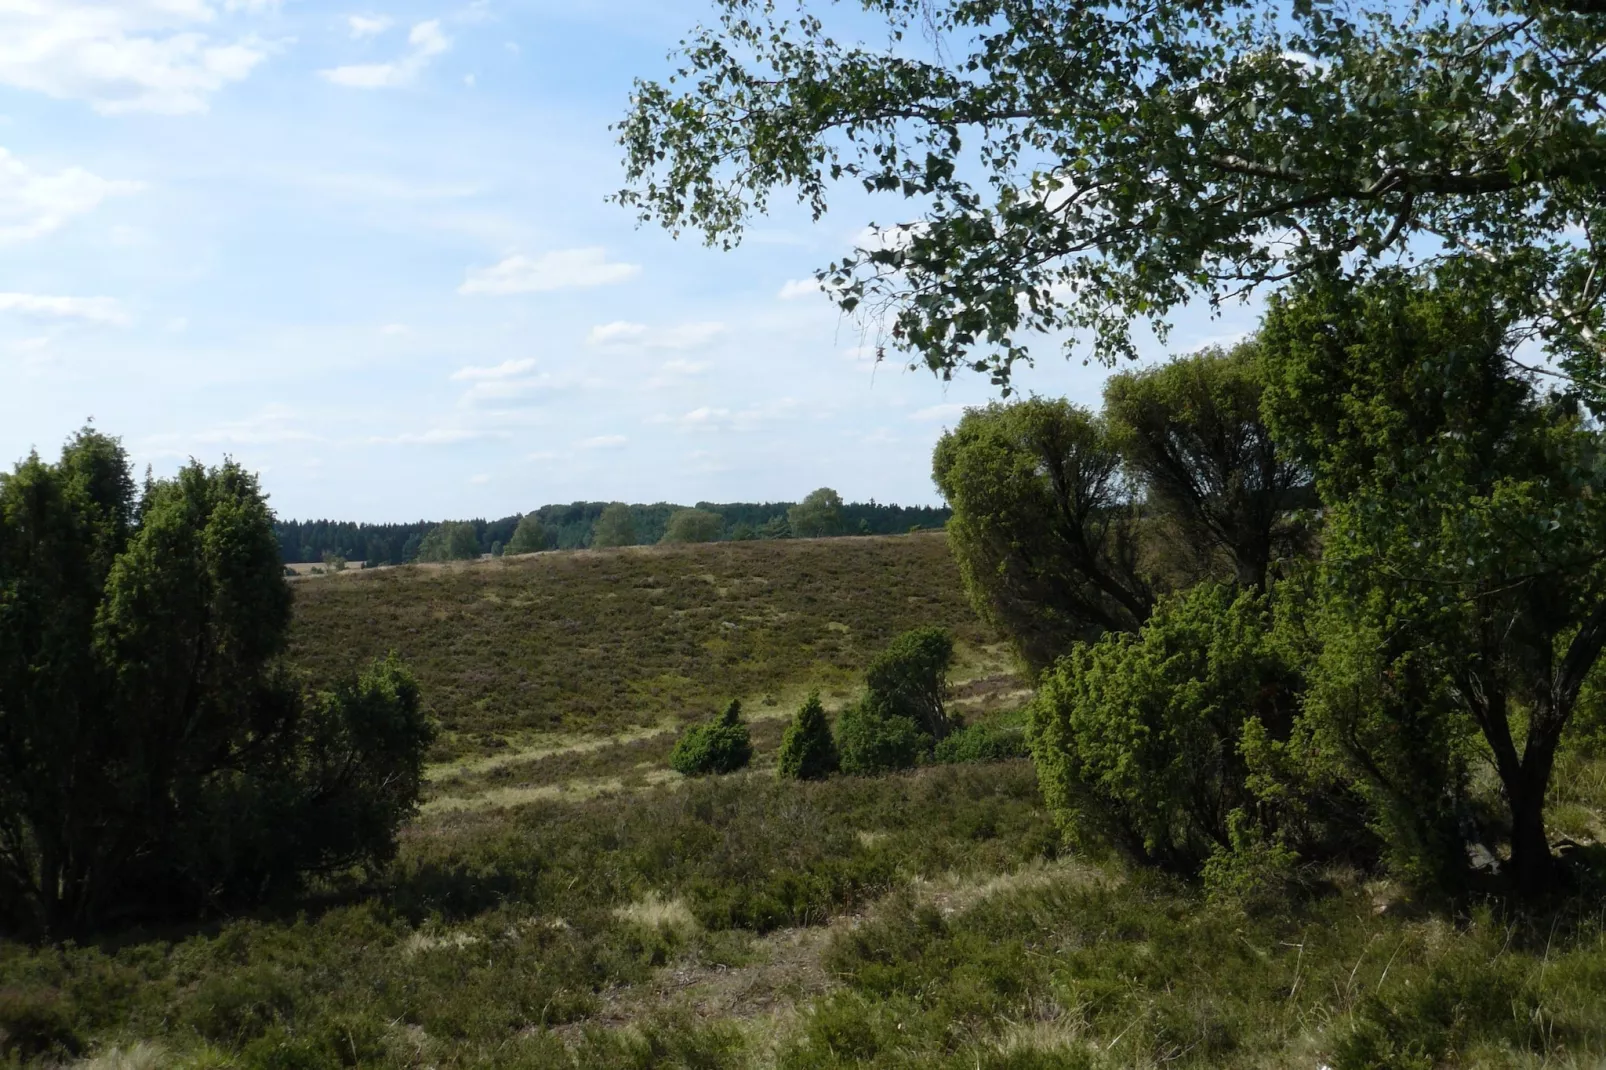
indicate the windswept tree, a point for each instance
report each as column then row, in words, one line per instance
column 694, row 525
column 1087, row 168
column 816, row 516
column 1044, row 529
column 154, row 758
column 1191, row 434
column 615, row 526
column 529, row 537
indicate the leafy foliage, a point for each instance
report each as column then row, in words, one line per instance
column 983, row 742
column 807, row 750
column 816, row 516
column 870, row 740
column 722, row 745
column 694, row 525
column 155, row 758
column 1089, row 168
column 910, row 679
column 1043, row 528
column 1136, row 736
column 451, row 541
column 1463, row 591
column 615, row 527
column 529, row 537
column 1190, row 432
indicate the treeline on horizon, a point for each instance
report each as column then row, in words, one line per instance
column 569, row 527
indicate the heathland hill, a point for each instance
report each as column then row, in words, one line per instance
column 614, row 639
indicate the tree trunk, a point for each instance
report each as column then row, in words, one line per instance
column 1532, row 865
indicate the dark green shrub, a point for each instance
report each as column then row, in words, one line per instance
column 35, row 1023
column 155, row 756
column 870, row 740
column 722, row 745
column 807, row 750
column 1136, row 737
column 983, row 743
column 910, row 679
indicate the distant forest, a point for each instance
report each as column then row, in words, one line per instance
column 569, row 528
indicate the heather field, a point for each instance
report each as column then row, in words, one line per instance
column 564, row 899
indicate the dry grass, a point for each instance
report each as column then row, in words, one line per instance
column 609, row 641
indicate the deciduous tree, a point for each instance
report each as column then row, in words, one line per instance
column 614, row 527
column 1087, row 168
column 1044, row 528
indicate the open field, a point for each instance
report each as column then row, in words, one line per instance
column 564, row 900
column 608, row 640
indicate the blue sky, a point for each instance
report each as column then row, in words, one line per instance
column 365, row 250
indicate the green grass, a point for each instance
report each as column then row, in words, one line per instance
column 567, row 902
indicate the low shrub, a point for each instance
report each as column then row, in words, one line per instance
column 1137, row 736
column 983, row 743
column 910, row 679
column 870, row 740
column 807, row 750
column 722, row 745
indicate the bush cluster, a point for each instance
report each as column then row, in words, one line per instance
column 156, row 758
column 807, row 750
column 722, row 745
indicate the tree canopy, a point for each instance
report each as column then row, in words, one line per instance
column 529, row 537
column 614, row 527
column 451, row 541
column 1083, row 169
column 154, row 757
column 693, row 525
column 817, row 515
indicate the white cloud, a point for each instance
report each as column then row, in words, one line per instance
column 425, row 42
column 479, row 480
column 795, row 289
column 104, row 310
column 33, row 203
column 124, row 55
column 623, row 335
column 435, row 436
column 564, row 269
column 506, row 391
column 686, row 367
column 508, row 369
column 715, row 418
column 395, row 330
column 938, row 412
column 273, row 425
column 369, row 25
column 604, row 442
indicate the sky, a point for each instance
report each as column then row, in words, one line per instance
column 366, row 251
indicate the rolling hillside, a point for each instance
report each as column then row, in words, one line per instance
column 607, row 640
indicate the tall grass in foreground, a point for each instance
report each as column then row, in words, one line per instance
column 916, row 920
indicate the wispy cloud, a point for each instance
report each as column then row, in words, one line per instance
column 604, row 442
column 104, row 310
column 564, row 269
column 796, row 289
column 436, row 436
column 623, row 335
column 938, row 412
column 718, row 418
column 369, row 25
column 33, row 203
column 508, row 369
column 425, row 42
column 124, row 55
